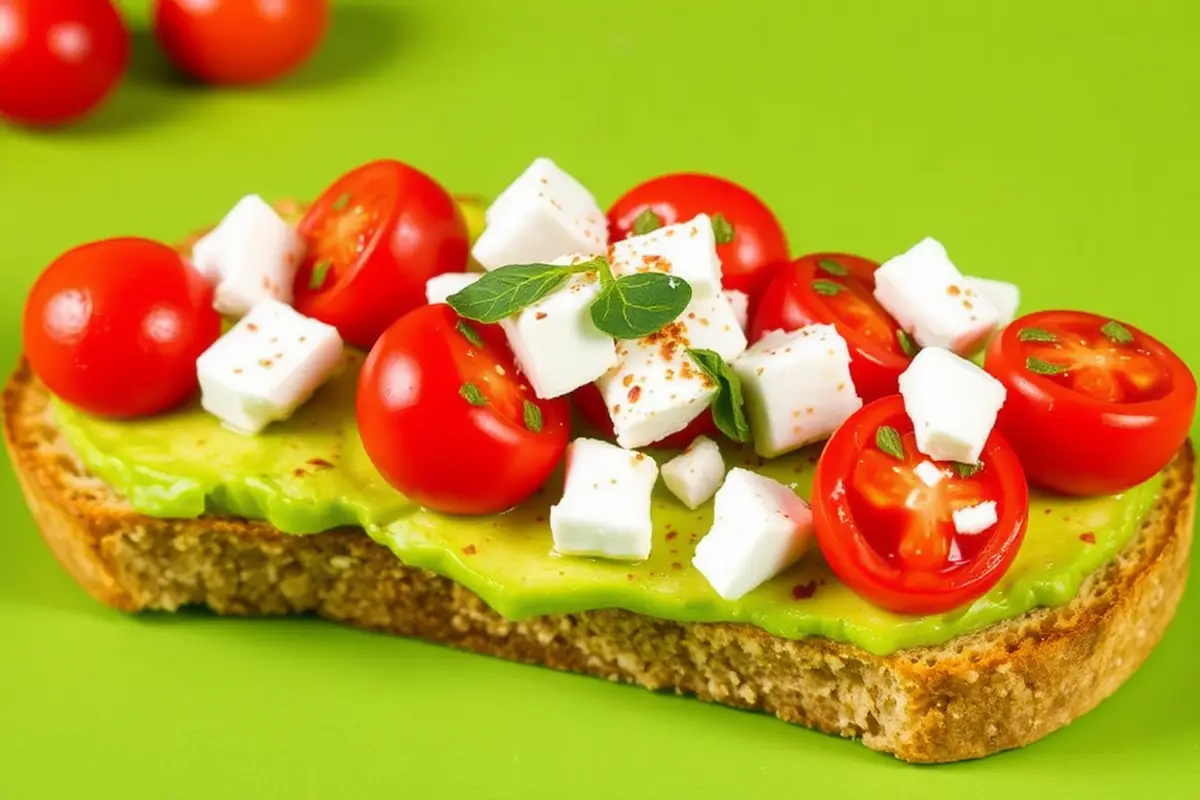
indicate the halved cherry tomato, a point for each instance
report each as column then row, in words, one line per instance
column 590, row 402
column 59, row 59
column 375, row 237
column 837, row 289
column 1094, row 406
column 115, row 327
column 237, row 41
column 449, row 422
column 758, row 241
column 890, row 537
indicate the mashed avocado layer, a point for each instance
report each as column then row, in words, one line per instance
column 311, row 474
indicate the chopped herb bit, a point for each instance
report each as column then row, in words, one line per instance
column 469, row 333
column 722, row 229
column 320, row 272
column 341, row 202
column 966, row 470
column 832, row 267
column 533, row 417
column 1117, row 332
column 907, row 344
column 826, row 287
column 1036, row 335
column 728, row 407
column 646, row 222
column 888, row 440
column 1039, row 367
column 470, row 392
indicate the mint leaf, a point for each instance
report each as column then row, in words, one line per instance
column 832, row 267
column 505, row 291
column 470, row 392
column 469, row 333
column 533, row 417
column 1116, row 332
column 1039, row 367
column 341, row 202
column 888, row 440
column 828, row 288
column 634, row 306
column 907, row 344
column 1036, row 335
column 646, row 222
column 722, row 229
column 320, row 272
column 966, row 470
column 728, row 410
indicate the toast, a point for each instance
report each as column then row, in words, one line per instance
column 995, row 689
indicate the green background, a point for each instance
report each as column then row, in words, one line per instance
column 1050, row 143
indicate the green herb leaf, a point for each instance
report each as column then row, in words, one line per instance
column 533, row 417
column 1036, row 335
column 505, row 291
column 910, row 347
column 722, row 229
column 319, row 272
column 832, row 267
column 470, row 392
column 646, row 222
column 888, row 440
column 1039, row 367
column 829, row 288
column 1117, row 332
column 638, row 305
column 966, row 470
column 469, row 333
column 341, row 202
column 728, row 407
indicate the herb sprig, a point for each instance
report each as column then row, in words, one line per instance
column 728, row 407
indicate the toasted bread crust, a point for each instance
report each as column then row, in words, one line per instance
column 999, row 688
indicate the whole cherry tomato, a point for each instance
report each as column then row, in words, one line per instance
column 1094, row 406
column 749, row 239
column 240, row 41
column 890, row 536
column 59, row 59
column 450, row 423
column 375, row 238
column 115, row 327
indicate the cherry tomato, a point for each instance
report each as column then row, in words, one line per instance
column 115, row 327
column 758, row 242
column 590, row 402
column 449, row 422
column 838, row 289
column 59, row 59
column 1094, row 406
column 240, row 42
column 890, row 537
column 375, row 237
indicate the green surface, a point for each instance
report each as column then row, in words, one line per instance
column 183, row 464
column 1051, row 143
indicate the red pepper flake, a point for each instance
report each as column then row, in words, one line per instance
column 953, row 290
column 803, row 591
column 250, row 326
column 671, row 535
column 320, row 462
column 635, row 393
column 1088, row 537
column 630, row 576
column 1048, row 511
column 539, row 519
column 469, row 550
column 627, row 380
column 676, row 565
column 540, row 315
column 238, row 370
column 265, row 363
column 299, row 473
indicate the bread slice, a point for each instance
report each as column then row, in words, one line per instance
column 999, row 688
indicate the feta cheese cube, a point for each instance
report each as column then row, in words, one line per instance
column 545, row 213
column 252, row 255
column 930, row 299
column 740, row 303
column 952, row 404
column 657, row 388
column 1006, row 297
column 695, row 474
column 975, row 519
column 686, row 250
column 266, row 366
column 439, row 287
column 760, row 528
column 556, row 344
column 929, row 473
column 797, row 386
column 605, row 507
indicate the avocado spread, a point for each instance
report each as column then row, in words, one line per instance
column 310, row 474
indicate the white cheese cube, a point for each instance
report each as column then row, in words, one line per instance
column 929, row 473
column 686, row 250
column 975, row 519
column 952, row 404
column 556, row 344
column 1004, row 296
column 740, row 303
column 695, row 474
column 545, row 213
column 760, row 528
column 930, row 299
column 605, row 507
column 439, row 287
column 657, row 388
column 266, row 366
column 798, row 387
column 252, row 255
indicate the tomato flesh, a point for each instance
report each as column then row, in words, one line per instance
column 1094, row 406
column 891, row 538
column 838, row 289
